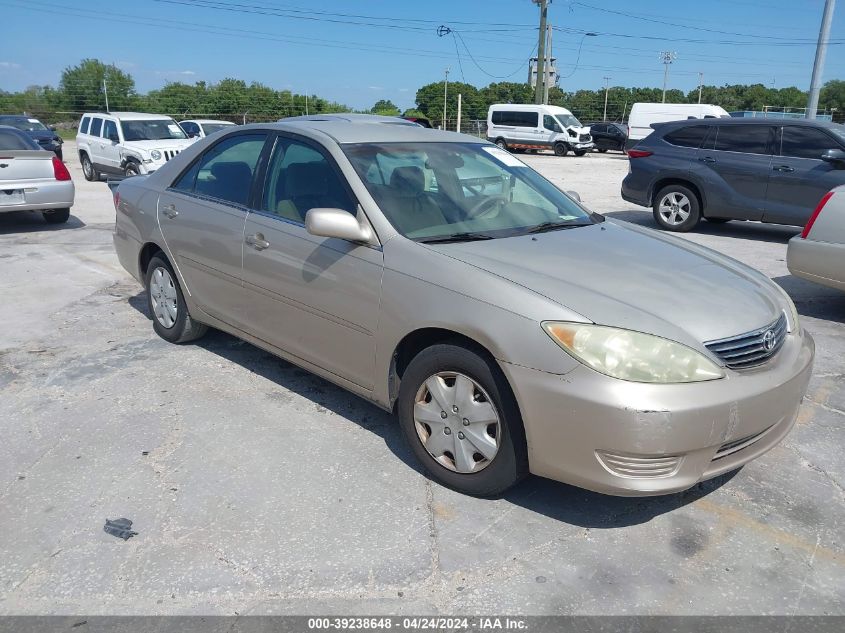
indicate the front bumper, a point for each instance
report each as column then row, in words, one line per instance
column 634, row 439
column 579, row 146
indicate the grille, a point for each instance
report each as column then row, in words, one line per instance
column 737, row 445
column 752, row 348
column 631, row 466
column 170, row 153
column 584, row 138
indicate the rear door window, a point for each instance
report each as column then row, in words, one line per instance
column 96, row 126
column 799, row 141
column 746, row 139
column 83, row 125
column 689, row 136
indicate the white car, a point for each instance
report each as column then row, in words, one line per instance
column 521, row 127
column 200, row 128
column 644, row 114
column 127, row 143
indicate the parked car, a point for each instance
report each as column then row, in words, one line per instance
column 510, row 328
column 32, row 179
column 127, row 143
column 419, row 121
column 46, row 137
column 200, row 128
column 818, row 253
column 608, row 135
column 771, row 170
column 521, row 127
column 644, row 115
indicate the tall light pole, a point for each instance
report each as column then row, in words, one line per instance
column 606, row 88
column 667, row 57
column 541, row 50
column 547, row 76
column 700, row 84
column 818, row 65
column 445, row 96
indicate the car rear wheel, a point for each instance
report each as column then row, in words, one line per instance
column 56, row 216
column 171, row 320
column 561, row 149
column 580, row 152
column 500, row 142
column 88, row 169
column 602, row 150
column 676, row 208
column 460, row 418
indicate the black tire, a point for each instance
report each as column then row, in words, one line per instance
column 510, row 463
column 56, row 216
column 184, row 327
column 502, row 144
column 718, row 220
column 692, row 219
column 602, row 150
column 580, row 152
column 561, row 149
column 131, row 169
column 91, row 174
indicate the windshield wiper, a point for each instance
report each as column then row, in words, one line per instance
column 456, row 237
column 554, row 226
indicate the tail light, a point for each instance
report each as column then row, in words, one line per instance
column 116, row 198
column 815, row 215
column 60, row 172
column 638, row 153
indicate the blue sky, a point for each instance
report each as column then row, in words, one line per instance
column 357, row 52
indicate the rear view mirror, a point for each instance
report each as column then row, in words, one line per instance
column 834, row 156
column 337, row 223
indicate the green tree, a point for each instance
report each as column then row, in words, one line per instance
column 832, row 97
column 81, row 87
column 385, row 107
column 430, row 101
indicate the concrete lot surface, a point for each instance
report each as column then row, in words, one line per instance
column 256, row 487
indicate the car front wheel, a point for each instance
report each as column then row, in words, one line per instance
column 131, row 169
column 461, row 420
column 561, row 149
column 171, row 320
column 676, row 208
column 580, row 152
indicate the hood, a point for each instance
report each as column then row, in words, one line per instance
column 630, row 277
column 167, row 143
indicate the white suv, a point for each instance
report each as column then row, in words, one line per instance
column 127, row 143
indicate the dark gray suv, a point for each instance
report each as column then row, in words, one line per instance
column 735, row 169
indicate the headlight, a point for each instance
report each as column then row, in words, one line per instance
column 632, row 356
column 155, row 154
column 794, row 323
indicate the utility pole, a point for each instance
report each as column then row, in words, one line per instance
column 667, row 57
column 700, row 84
column 106, row 93
column 547, row 81
column 606, row 88
column 445, row 96
column 818, row 65
column 541, row 50
column 458, row 126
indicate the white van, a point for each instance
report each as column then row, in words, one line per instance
column 520, row 127
column 644, row 114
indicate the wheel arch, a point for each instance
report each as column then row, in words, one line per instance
column 146, row 254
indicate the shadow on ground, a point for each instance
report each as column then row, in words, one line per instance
column 813, row 300
column 33, row 222
column 737, row 228
column 556, row 500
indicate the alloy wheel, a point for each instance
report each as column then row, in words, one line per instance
column 164, row 298
column 674, row 208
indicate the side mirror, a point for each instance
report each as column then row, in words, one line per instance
column 834, row 156
column 574, row 195
column 337, row 223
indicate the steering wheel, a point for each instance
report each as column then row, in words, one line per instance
column 477, row 210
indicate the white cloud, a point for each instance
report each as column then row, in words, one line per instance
column 404, row 89
column 376, row 87
column 9, row 65
column 186, row 73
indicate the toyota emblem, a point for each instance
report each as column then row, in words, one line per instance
column 769, row 341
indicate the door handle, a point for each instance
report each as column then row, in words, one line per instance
column 170, row 211
column 257, row 241
column 783, row 168
column 707, row 159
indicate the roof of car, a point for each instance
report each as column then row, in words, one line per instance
column 754, row 121
column 371, row 128
column 218, row 121
column 130, row 116
column 16, row 117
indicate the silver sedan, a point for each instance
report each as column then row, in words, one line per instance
column 818, row 254
column 509, row 328
column 33, row 179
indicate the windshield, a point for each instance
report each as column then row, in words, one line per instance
column 211, row 128
column 568, row 120
column 152, row 130
column 463, row 190
column 27, row 125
